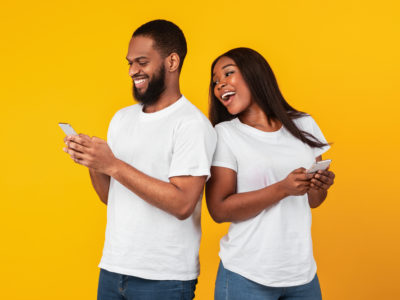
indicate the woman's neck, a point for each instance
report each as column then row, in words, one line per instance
column 254, row 116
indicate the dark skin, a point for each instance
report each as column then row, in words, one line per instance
column 180, row 195
column 224, row 203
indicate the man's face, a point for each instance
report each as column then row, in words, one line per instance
column 146, row 69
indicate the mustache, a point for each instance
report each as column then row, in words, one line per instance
column 141, row 76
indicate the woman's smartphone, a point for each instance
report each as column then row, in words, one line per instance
column 320, row 165
column 67, row 128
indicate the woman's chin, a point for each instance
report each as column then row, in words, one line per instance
column 233, row 111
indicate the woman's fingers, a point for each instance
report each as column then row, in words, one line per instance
column 323, row 179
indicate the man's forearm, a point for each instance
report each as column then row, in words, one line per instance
column 101, row 184
column 166, row 196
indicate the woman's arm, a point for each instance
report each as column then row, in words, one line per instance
column 225, row 205
column 320, row 183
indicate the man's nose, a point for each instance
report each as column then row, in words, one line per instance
column 133, row 70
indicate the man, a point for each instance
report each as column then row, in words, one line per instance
column 151, row 173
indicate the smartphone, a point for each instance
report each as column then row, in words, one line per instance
column 67, row 128
column 320, row 165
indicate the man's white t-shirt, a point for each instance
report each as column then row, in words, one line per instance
column 142, row 240
column 274, row 248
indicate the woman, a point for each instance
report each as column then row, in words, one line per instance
column 259, row 183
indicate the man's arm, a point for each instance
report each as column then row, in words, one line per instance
column 101, row 184
column 178, row 197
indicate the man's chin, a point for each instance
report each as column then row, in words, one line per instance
column 142, row 99
column 139, row 95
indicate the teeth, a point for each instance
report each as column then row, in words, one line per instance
column 227, row 94
column 139, row 81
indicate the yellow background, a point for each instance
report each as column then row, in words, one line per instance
column 65, row 61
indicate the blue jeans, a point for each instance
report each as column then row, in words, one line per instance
column 114, row 286
column 232, row 286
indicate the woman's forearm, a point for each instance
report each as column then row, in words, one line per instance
column 243, row 206
column 316, row 197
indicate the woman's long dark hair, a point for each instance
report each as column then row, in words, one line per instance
column 265, row 92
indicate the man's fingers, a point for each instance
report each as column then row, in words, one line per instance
column 73, row 153
column 81, row 140
column 85, row 137
column 80, row 161
column 76, row 147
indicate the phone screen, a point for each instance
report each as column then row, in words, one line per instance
column 67, row 128
column 320, row 165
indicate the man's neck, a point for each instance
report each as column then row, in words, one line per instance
column 166, row 99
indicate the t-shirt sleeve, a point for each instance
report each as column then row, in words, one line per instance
column 112, row 129
column 316, row 132
column 223, row 156
column 193, row 149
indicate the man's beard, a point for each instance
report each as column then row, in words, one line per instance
column 155, row 88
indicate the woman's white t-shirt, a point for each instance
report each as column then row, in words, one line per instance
column 274, row 248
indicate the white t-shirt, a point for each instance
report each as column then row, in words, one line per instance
column 274, row 248
column 141, row 239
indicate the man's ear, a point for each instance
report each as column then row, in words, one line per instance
column 173, row 62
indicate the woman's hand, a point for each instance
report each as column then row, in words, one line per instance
column 322, row 180
column 297, row 182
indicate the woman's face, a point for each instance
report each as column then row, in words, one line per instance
column 230, row 87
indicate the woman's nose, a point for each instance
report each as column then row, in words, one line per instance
column 221, row 85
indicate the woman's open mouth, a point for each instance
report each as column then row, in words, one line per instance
column 227, row 97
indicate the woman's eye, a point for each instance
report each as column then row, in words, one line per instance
column 215, row 82
column 228, row 73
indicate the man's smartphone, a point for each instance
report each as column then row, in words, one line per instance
column 67, row 128
column 320, row 165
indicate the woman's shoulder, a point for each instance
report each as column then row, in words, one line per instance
column 304, row 122
column 225, row 126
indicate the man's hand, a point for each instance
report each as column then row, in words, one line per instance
column 91, row 152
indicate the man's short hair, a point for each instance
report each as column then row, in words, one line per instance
column 168, row 38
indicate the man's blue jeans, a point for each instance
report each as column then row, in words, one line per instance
column 114, row 286
column 232, row 286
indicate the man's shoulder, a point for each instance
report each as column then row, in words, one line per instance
column 129, row 109
column 190, row 113
column 126, row 111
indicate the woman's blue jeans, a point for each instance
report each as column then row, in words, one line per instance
column 232, row 286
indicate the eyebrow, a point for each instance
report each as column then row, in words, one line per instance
column 228, row 65
column 137, row 58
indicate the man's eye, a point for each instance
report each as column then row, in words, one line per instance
column 143, row 63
